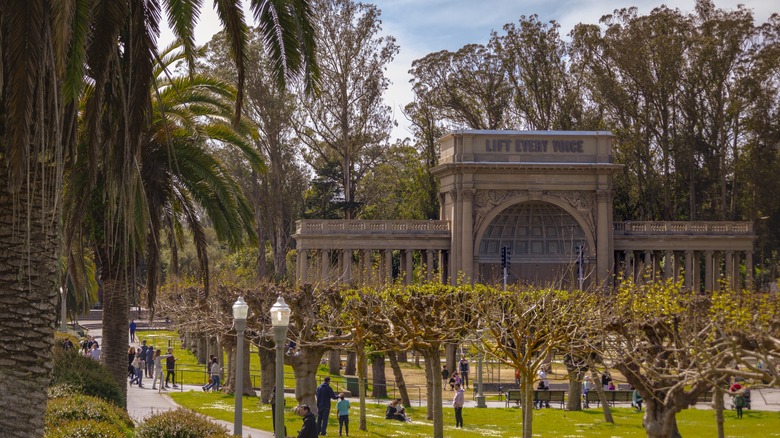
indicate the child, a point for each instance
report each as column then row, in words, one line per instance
column 342, row 407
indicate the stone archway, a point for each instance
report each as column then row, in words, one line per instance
column 543, row 238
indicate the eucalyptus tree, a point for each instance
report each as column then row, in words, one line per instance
column 677, row 90
column 546, row 88
column 468, row 88
column 348, row 123
column 277, row 191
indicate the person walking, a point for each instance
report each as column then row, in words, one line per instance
column 158, row 368
column 138, row 365
column 342, row 408
column 457, row 403
column 309, row 429
column 150, row 362
column 170, row 363
column 445, row 375
column 132, row 330
column 464, row 372
column 324, row 395
column 215, row 371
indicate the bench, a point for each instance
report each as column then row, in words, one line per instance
column 540, row 396
column 513, row 395
column 704, row 397
column 613, row 396
column 497, row 388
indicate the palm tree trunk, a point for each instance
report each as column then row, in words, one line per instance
column 28, row 247
column 115, row 310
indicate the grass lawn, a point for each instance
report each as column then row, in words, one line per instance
column 490, row 422
column 192, row 373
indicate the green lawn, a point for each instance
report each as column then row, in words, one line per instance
column 491, row 422
column 192, row 373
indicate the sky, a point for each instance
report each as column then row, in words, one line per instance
column 426, row 26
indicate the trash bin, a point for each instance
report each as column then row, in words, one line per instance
column 352, row 385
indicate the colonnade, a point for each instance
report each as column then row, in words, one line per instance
column 720, row 267
column 370, row 266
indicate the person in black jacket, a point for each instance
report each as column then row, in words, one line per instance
column 309, row 429
column 324, row 395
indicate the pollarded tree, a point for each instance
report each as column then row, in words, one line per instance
column 674, row 345
column 524, row 325
column 419, row 317
column 348, row 123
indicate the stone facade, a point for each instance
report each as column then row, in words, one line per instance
column 544, row 196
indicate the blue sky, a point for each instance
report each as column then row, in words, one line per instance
column 425, row 26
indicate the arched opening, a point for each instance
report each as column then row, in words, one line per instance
column 544, row 242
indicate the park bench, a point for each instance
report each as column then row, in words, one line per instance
column 513, row 395
column 613, row 397
column 495, row 388
column 543, row 396
column 704, row 397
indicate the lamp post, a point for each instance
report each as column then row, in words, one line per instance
column 480, row 396
column 64, row 321
column 240, row 310
column 280, row 319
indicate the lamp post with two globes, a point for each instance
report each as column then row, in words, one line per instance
column 280, row 319
column 240, row 311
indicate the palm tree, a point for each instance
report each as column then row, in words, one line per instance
column 46, row 47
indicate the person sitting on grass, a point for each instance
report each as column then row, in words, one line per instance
column 392, row 411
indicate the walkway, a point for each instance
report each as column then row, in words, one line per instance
column 144, row 402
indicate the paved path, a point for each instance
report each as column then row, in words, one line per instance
column 144, row 402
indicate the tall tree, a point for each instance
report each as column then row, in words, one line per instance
column 546, row 92
column 46, row 48
column 276, row 192
column 468, row 87
column 348, row 123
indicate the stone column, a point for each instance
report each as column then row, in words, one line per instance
column 429, row 266
column 689, row 269
column 467, row 235
column 603, row 235
column 647, row 266
column 628, row 267
column 749, row 270
column 409, row 268
column 368, row 263
column 347, row 260
column 708, row 271
column 669, row 264
column 730, row 269
column 737, row 274
column 388, row 269
column 325, row 266
column 303, row 257
column 455, row 254
column 697, row 271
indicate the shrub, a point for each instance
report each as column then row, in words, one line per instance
column 180, row 423
column 63, row 410
column 85, row 376
column 87, row 429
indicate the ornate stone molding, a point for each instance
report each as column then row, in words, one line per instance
column 485, row 201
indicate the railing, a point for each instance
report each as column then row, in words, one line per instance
column 314, row 226
column 650, row 228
